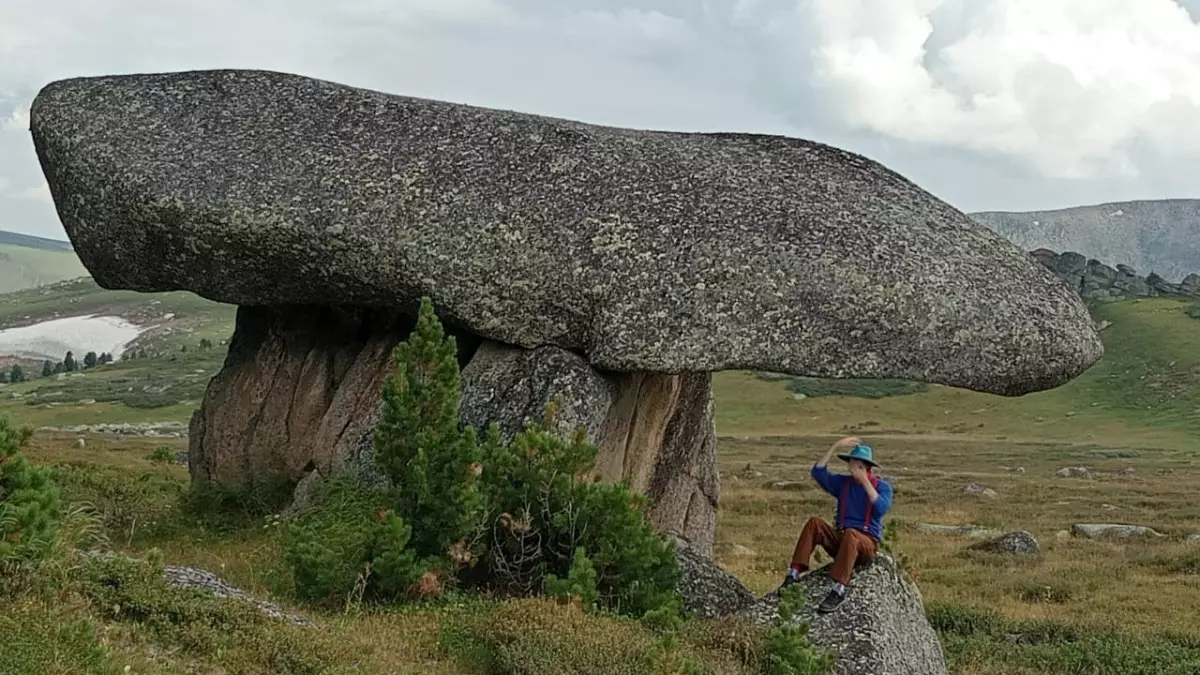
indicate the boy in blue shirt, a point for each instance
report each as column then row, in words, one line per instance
column 863, row 499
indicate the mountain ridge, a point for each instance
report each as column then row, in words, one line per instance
column 1158, row 236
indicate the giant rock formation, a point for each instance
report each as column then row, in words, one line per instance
column 614, row 269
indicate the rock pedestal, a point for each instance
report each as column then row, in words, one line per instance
column 299, row 393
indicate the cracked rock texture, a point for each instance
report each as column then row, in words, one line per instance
column 880, row 629
column 643, row 251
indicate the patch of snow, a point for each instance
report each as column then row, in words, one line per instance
column 1118, row 212
column 78, row 334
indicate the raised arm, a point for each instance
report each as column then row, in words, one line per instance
column 830, row 482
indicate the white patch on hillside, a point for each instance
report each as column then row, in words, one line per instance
column 77, row 334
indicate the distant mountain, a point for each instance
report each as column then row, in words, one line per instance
column 30, row 241
column 1160, row 236
column 27, row 261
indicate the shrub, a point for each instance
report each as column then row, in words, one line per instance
column 813, row 387
column 124, row 502
column 161, row 455
column 350, row 540
column 233, row 632
column 787, row 650
column 29, row 501
column 37, row 640
column 543, row 507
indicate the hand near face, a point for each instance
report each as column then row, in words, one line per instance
column 859, row 473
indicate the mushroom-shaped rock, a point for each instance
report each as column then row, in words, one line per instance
column 619, row 267
column 642, row 250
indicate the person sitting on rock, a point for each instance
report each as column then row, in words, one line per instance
column 863, row 499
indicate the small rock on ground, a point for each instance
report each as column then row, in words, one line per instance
column 1073, row 472
column 733, row 550
column 1017, row 543
column 787, row 485
column 1112, row 531
column 977, row 489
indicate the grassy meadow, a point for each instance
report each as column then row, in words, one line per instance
column 1083, row 607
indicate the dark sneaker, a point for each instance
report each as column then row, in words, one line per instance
column 788, row 580
column 831, row 602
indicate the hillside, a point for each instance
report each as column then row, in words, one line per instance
column 1150, row 236
column 27, row 261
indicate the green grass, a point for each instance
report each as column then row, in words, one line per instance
column 1143, row 391
column 24, row 267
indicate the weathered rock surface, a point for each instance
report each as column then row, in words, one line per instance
column 1112, row 531
column 191, row 577
column 977, row 489
column 654, row 430
column 707, row 589
column 1015, row 543
column 1095, row 280
column 880, row 629
column 642, row 251
column 1073, row 472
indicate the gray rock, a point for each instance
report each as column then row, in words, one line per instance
column 880, row 629
column 1192, row 538
column 1016, row 543
column 1113, row 531
column 973, row 531
column 707, row 589
column 641, row 250
column 788, row 485
column 512, row 386
column 190, row 577
column 977, row 489
column 1073, row 472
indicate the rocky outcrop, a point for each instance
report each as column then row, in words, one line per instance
column 610, row 269
column 642, row 251
column 1012, row 543
column 1113, row 531
column 1094, row 280
column 1151, row 234
column 880, row 629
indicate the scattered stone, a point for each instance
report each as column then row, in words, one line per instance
column 1062, row 534
column 1112, row 531
column 80, row 443
column 190, row 577
column 972, row 531
column 880, row 629
column 166, row 429
column 787, row 485
column 181, row 458
column 1110, row 507
column 1193, row 538
column 977, row 489
column 1016, row 543
column 1074, row 472
column 1128, row 471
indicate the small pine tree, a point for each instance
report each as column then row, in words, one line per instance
column 580, row 582
column 47, row 369
column 141, row 353
column 3, row 377
column 90, row 359
column 418, row 443
column 16, row 373
column 29, row 502
column 69, row 363
column 59, row 367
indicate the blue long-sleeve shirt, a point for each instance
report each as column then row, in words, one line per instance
column 855, row 509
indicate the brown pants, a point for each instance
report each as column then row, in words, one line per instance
column 848, row 548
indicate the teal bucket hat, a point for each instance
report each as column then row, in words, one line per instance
column 860, row 452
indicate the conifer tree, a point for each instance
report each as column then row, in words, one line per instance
column 418, row 444
column 29, row 501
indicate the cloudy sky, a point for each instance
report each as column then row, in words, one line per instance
column 990, row 104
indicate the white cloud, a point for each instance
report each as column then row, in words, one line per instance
column 1073, row 87
column 1103, row 91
